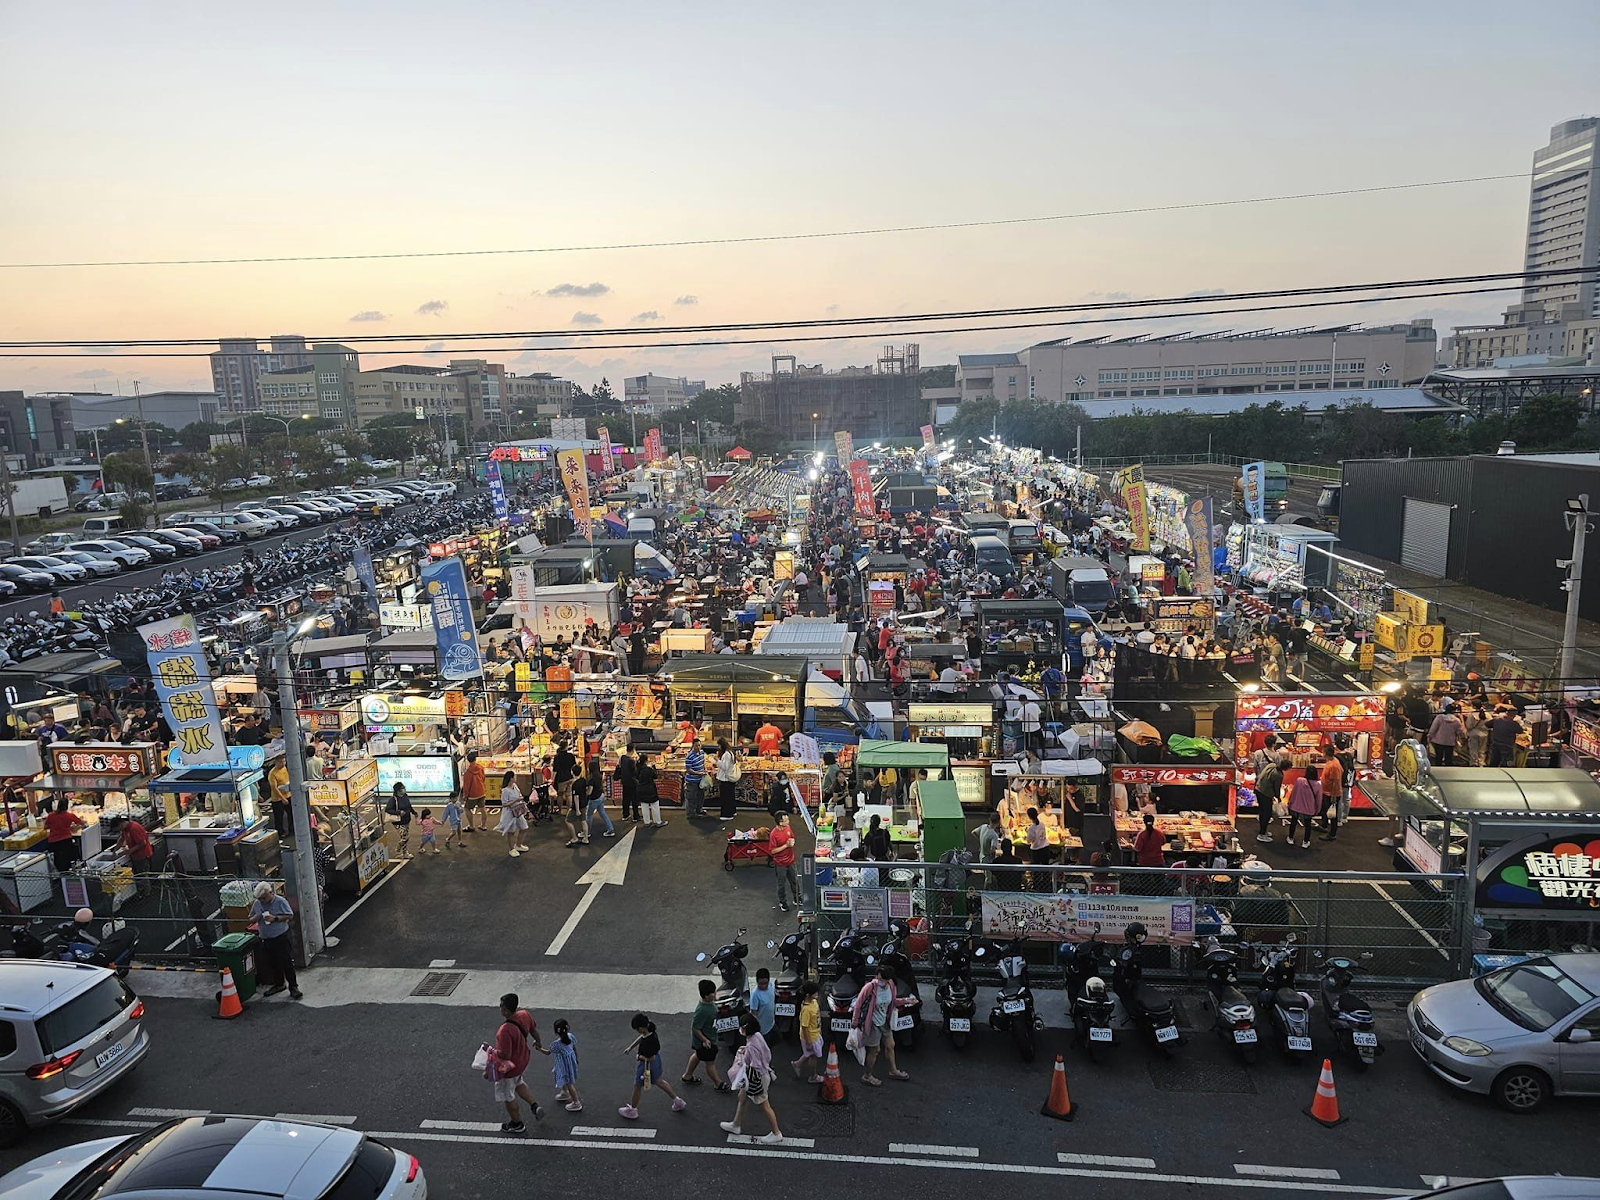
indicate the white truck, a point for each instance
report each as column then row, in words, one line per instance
column 40, row 496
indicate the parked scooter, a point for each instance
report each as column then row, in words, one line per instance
column 1348, row 1015
column 853, row 958
column 1288, row 1008
column 733, row 989
column 1088, row 998
column 795, row 954
column 956, row 996
column 1149, row 1010
column 904, row 1023
column 1234, row 1014
column 76, row 941
column 1013, row 1011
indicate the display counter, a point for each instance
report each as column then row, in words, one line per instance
column 1194, row 807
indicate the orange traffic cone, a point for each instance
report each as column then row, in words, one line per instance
column 1057, row 1104
column 832, row 1090
column 1325, row 1108
column 228, row 1005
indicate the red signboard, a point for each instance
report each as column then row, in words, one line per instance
column 1586, row 738
column 91, row 759
column 861, row 484
column 1173, row 774
column 1357, row 712
column 652, row 445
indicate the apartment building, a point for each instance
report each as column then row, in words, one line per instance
column 651, row 394
column 1528, row 331
column 539, row 392
column 325, row 387
column 1564, row 216
column 406, row 390
column 236, row 368
column 1213, row 364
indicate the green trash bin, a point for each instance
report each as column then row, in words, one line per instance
column 237, row 952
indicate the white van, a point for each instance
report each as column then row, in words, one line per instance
column 101, row 526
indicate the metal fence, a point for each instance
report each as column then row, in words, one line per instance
column 1407, row 930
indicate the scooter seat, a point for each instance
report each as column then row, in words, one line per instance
column 1349, row 1003
column 1289, row 998
column 844, row 988
column 1232, row 998
column 1151, row 1000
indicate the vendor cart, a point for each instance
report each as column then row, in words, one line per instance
column 744, row 848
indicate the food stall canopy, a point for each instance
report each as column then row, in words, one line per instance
column 71, row 677
column 1489, row 793
column 205, row 779
column 739, row 452
column 903, row 754
column 415, row 646
column 988, row 610
column 67, row 665
column 815, row 638
column 886, row 564
column 775, row 673
column 351, row 648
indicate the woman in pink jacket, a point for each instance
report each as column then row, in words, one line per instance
column 1305, row 802
column 872, row 1013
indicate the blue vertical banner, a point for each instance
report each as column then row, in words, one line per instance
column 1253, row 482
column 361, row 559
column 183, row 685
column 444, row 583
column 497, row 490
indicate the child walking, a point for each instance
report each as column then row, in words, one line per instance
column 426, row 825
column 564, row 1056
column 452, row 818
column 752, row 1067
column 810, row 1035
column 646, row 1047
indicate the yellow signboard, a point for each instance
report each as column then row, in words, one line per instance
column 1414, row 607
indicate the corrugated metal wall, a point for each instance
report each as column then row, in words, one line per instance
column 1372, row 503
column 1518, row 531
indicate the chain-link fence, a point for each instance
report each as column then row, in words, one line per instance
column 1406, row 930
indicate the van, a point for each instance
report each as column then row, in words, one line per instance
column 68, row 1031
column 101, row 526
column 1081, row 580
column 990, row 554
column 243, row 524
column 1024, row 536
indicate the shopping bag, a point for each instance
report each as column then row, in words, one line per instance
column 480, row 1060
column 857, row 1045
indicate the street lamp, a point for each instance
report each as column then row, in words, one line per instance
column 813, row 431
column 144, row 441
column 287, row 424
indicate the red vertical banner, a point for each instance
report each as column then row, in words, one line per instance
column 927, row 439
column 861, row 484
column 652, row 446
column 606, row 465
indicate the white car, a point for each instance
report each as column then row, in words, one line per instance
column 233, row 484
column 225, row 1157
column 259, row 481
column 127, row 555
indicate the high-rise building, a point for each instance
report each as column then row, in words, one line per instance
column 36, row 429
column 1564, row 216
column 238, row 366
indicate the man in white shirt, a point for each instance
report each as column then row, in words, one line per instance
column 950, row 680
column 1145, row 637
column 1089, row 642
column 1032, row 733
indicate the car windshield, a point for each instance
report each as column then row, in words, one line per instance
column 1534, row 994
column 84, row 1014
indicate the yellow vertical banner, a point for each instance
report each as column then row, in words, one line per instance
column 575, row 476
column 1133, row 496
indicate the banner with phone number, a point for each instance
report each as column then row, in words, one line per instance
column 861, row 485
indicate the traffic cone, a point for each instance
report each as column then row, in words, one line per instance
column 1325, row 1108
column 1057, row 1104
column 832, row 1089
column 228, row 1005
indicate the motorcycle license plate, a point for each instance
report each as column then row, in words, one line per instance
column 783, row 1010
column 899, row 1023
column 106, row 1056
column 1364, row 1039
column 1098, row 1033
column 1299, row 1043
column 1244, row 1037
column 1167, row 1033
column 840, row 1024
column 1012, row 1006
column 959, row 1025
column 727, row 1024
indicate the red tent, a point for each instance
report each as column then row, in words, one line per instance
column 739, row 452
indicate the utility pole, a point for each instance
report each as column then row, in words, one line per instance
column 11, row 500
column 1577, row 516
column 294, row 747
column 1077, row 451
column 144, row 441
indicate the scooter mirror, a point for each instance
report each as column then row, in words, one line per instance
column 771, row 944
column 827, row 945
column 701, row 957
column 1366, row 956
column 978, row 952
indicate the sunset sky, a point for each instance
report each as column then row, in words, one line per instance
column 168, row 130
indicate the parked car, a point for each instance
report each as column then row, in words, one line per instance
column 230, row 485
column 27, row 579
column 226, row 537
column 77, row 1030
column 8, row 589
column 1521, row 1034
column 181, row 542
column 65, row 572
column 259, row 481
column 125, row 553
column 158, row 549
column 49, row 543
column 273, row 519
column 98, row 565
column 208, row 537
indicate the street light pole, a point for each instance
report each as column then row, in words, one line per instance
column 144, row 441
column 1577, row 516
column 294, row 748
column 813, row 433
column 98, row 461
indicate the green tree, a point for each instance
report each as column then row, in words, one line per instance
column 392, row 441
column 938, row 377
column 1546, row 422
column 715, row 404
column 125, row 470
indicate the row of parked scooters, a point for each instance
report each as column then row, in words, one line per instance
column 1278, row 1011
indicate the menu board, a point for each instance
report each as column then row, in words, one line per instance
column 422, row 774
column 972, row 786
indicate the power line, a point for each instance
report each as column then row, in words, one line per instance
column 846, row 322
column 770, row 237
column 1342, row 301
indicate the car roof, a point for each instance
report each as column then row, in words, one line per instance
column 236, row 1154
column 32, row 987
column 1585, row 968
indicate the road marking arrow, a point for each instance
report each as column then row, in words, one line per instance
column 612, row 868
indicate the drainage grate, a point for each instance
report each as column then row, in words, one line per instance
column 822, row 1120
column 1187, row 1075
column 439, row 983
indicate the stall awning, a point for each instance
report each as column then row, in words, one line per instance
column 68, row 665
column 902, row 754
column 406, row 641
column 938, row 798
column 814, row 638
column 350, row 644
column 85, row 783
column 732, row 670
column 1489, row 793
column 205, row 779
column 70, row 677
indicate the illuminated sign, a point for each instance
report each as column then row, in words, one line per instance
column 422, row 774
column 1353, row 713
column 1544, row 872
column 1175, row 774
column 90, row 758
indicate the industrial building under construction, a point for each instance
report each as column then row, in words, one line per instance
column 800, row 403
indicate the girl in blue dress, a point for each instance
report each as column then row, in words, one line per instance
column 564, row 1055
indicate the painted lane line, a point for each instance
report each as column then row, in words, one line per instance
column 604, row 1131
column 169, row 1112
column 1439, row 1181
column 368, row 895
column 465, row 1126
column 1409, row 920
column 944, row 1151
column 315, row 1118
column 611, row 868
column 881, row 1160
column 754, row 1139
column 182, row 937
column 1107, row 1160
column 441, row 964
column 1291, row 1172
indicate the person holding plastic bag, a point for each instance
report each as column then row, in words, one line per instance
column 504, row 1062
column 871, row 1020
column 752, row 1075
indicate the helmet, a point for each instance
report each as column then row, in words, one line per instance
column 83, row 916
column 1095, row 988
column 1135, row 933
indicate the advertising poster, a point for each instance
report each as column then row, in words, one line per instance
column 844, row 444
column 1063, row 917
column 861, row 486
column 444, row 583
column 869, row 909
column 361, row 559
column 1133, row 498
column 575, row 477
column 423, row 774
column 880, row 597
column 652, row 445
column 1197, row 517
column 607, row 465
column 497, row 490
column 1254, row 476
column 183, row 685
column 927, row 439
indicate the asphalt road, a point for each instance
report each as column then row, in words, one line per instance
column 966, row 1120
